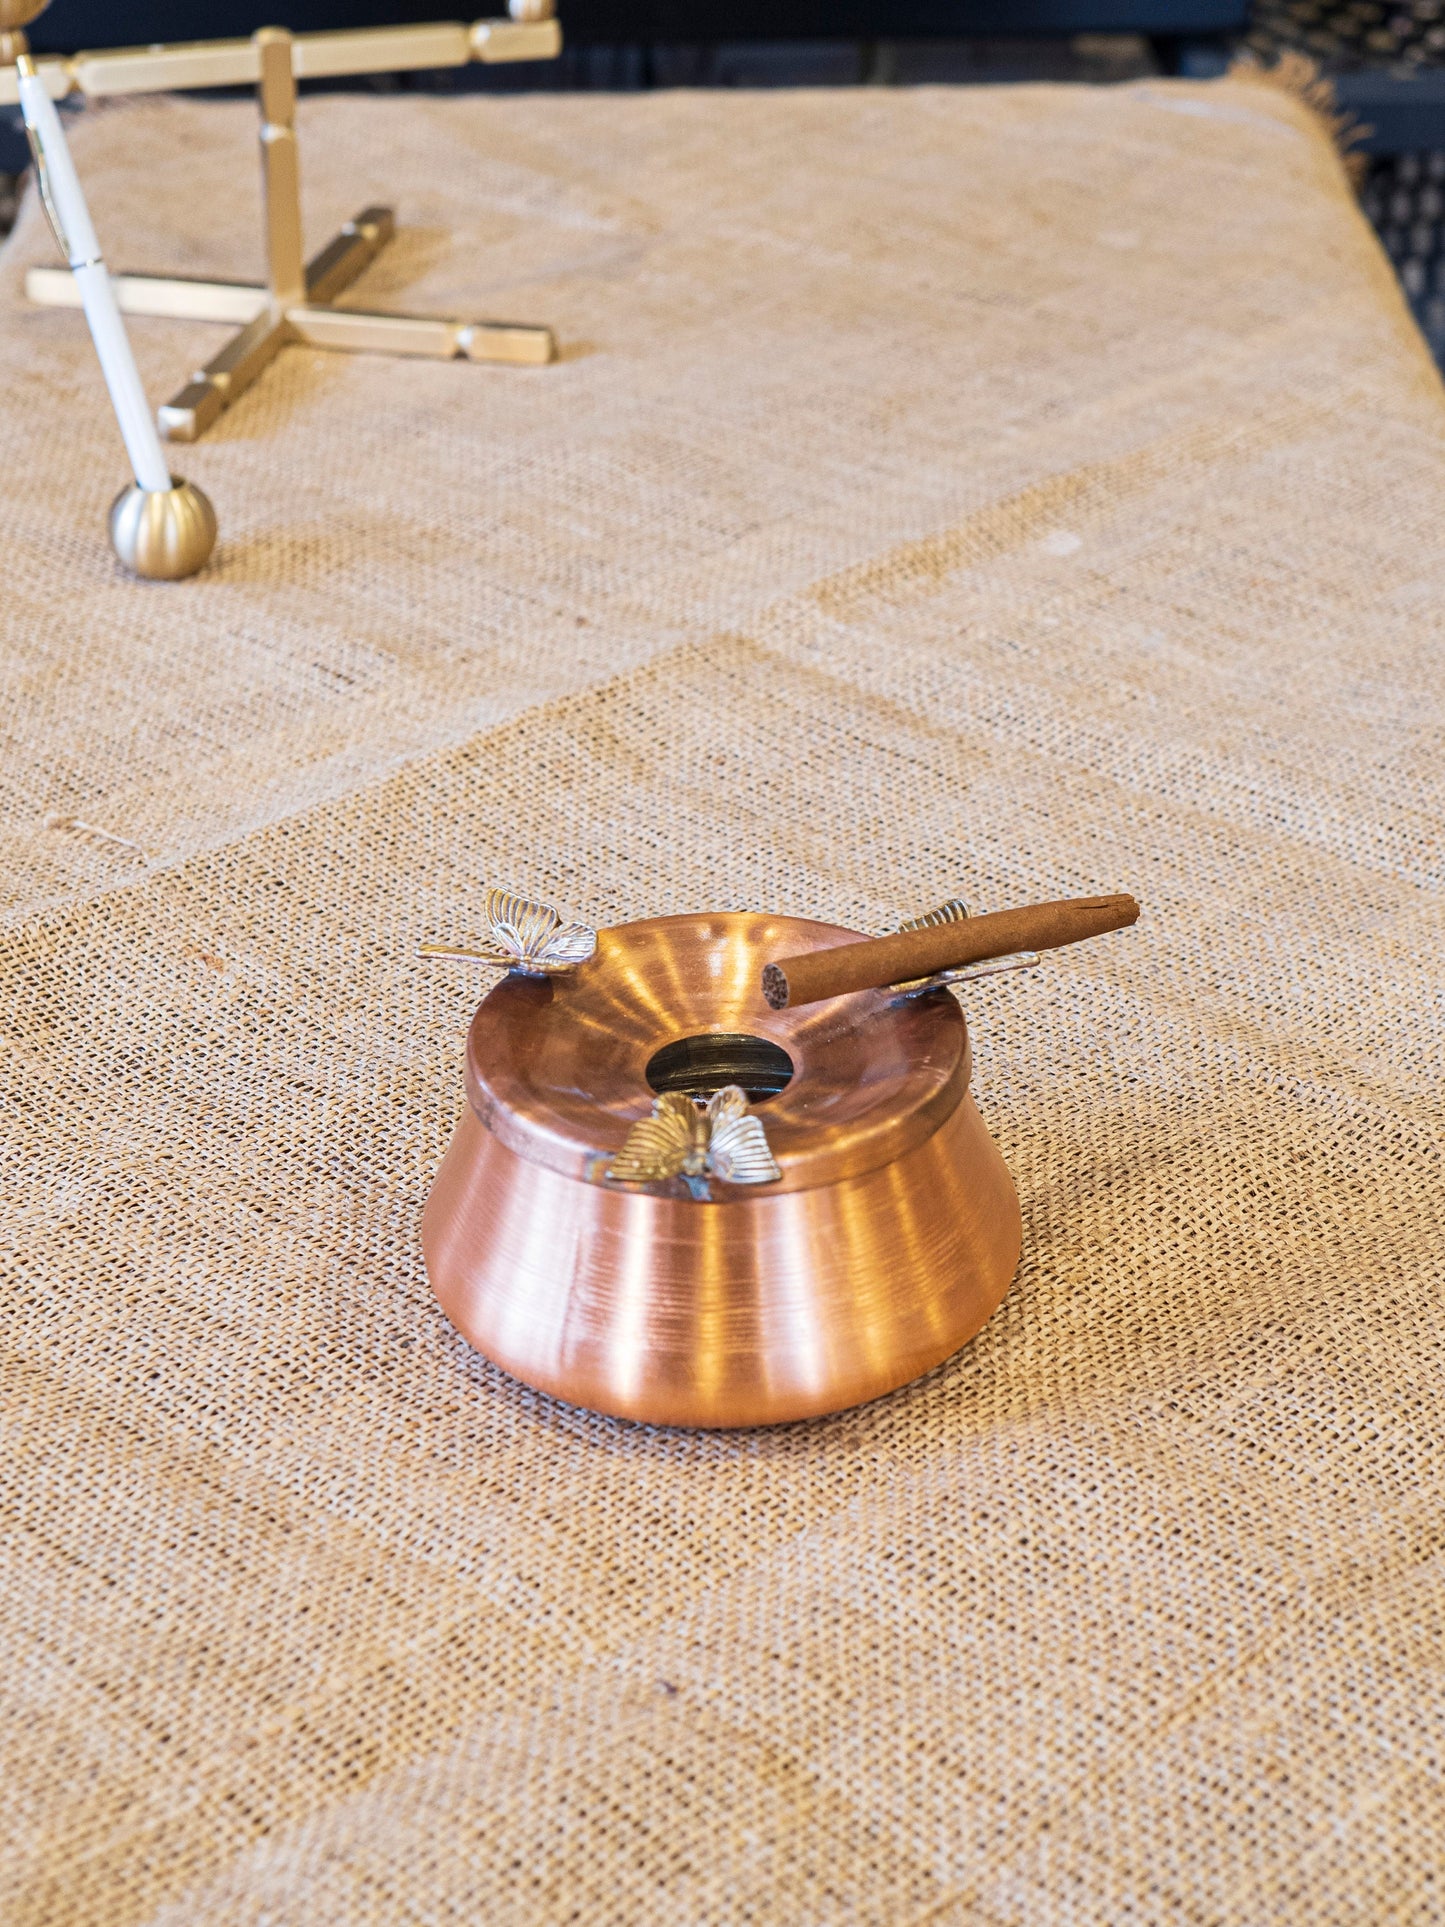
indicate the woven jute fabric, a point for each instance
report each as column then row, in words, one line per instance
column 1011, row 493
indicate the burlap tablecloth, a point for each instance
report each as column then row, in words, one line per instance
column 1017, row 492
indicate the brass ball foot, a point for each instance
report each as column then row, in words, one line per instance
column 163, row 533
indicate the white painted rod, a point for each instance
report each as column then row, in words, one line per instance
column 60, row 190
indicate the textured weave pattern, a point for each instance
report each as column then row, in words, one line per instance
column 1016, row 493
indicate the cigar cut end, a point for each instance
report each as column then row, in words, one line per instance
column 775, row 987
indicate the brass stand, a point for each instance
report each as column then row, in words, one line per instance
column 294, row 305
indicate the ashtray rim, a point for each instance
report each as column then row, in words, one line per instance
column 555, row 1067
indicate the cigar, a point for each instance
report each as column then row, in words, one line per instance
column 911, row 954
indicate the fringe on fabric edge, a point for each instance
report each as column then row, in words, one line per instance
column 1297, row 75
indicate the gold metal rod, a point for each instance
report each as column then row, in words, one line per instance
column 165, row 69
column 190, row 411
column 430, row 336
column 370, row 50
column 348, row 253
column 459, row 950
column 182, row 297
column 433, row 337
column 280, row 168
column 182, row 65
column 225, row 376
column 508, row 341
column 175, row 297
column 57, row 76
column 246, row 354
column 496, row 41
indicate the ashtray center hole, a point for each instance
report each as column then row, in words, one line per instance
column 704, row 1064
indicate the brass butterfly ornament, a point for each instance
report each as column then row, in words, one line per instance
column 686, row 1139
column 523, row 936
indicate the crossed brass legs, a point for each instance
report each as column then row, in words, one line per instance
column 311, row 321
column 294, row 305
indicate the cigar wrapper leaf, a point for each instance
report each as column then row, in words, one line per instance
column 913, row 954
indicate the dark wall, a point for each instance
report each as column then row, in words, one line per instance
column 682, row 20
column 70, row 24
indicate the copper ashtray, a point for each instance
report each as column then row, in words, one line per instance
column 669, row 1201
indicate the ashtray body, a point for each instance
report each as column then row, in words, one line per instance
column 887, row 1241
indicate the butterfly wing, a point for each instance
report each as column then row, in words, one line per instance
column 730, row 1101
column 954, row 911
column 522, row 935
column 519, row 926
column 737, row 1149
column 572, row 944
column 739, row 1153
column 656, row 1146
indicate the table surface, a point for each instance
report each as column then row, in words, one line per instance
column 1014, row 493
